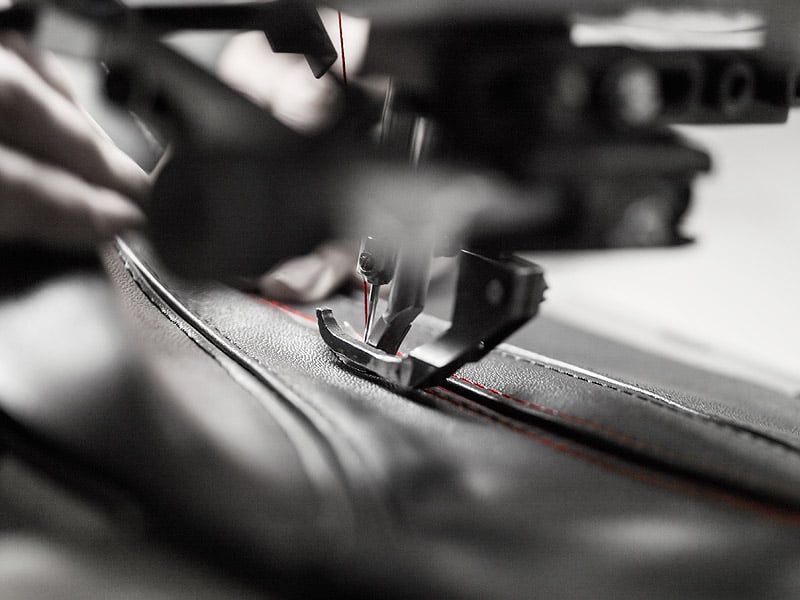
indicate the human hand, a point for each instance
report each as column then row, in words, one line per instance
column 63, row 183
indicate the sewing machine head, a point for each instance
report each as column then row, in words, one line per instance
column 506, row 127
column 581, row 131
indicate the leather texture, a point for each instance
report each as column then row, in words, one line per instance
column 223, row 420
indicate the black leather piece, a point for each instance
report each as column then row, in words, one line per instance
column 727, row 397
column 655, row 424
column 428, row 495
column 55, row 544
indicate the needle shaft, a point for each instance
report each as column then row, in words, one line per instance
column 373, row 291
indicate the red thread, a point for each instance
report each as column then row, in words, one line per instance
column 341, row 45
column 603, row 429
column 287, row 308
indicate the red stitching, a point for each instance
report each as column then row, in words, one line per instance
column 566, row 416
column 511, row 425
column 785, row 515
column 287, row 308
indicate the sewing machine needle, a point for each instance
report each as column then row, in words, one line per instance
column 373, row 291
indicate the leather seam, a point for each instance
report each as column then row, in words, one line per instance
column 704, row 467
column 705, row 420
column 645, row 477
column 700, row 418
column 564, row 415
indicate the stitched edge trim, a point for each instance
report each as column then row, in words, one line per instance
column 651, row 398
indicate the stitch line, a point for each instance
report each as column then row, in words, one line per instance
column 775, row 445
column 560, row 414
column 785, row 515
column 285, row 307
column 659, row 450
column 544, row 409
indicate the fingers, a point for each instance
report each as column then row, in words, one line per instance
column 312, row 277
column 44, row 63
column 42, row 203
column 50, row 69
column 44, row 123
column 63, row 182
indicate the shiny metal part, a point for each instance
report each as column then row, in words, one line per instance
column 406, row 301
column 494, row 297
column 355, row 352
column 376, row 264
column 373, row 294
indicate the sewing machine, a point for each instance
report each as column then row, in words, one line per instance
column 500, row 132
column 187, row 439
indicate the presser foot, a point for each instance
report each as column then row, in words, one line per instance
column 494, row 297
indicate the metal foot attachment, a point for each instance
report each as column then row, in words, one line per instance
column 494, row 297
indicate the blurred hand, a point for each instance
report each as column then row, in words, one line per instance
column 314, row 276
column 63, row 183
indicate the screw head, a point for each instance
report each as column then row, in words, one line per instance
column 366, row 262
